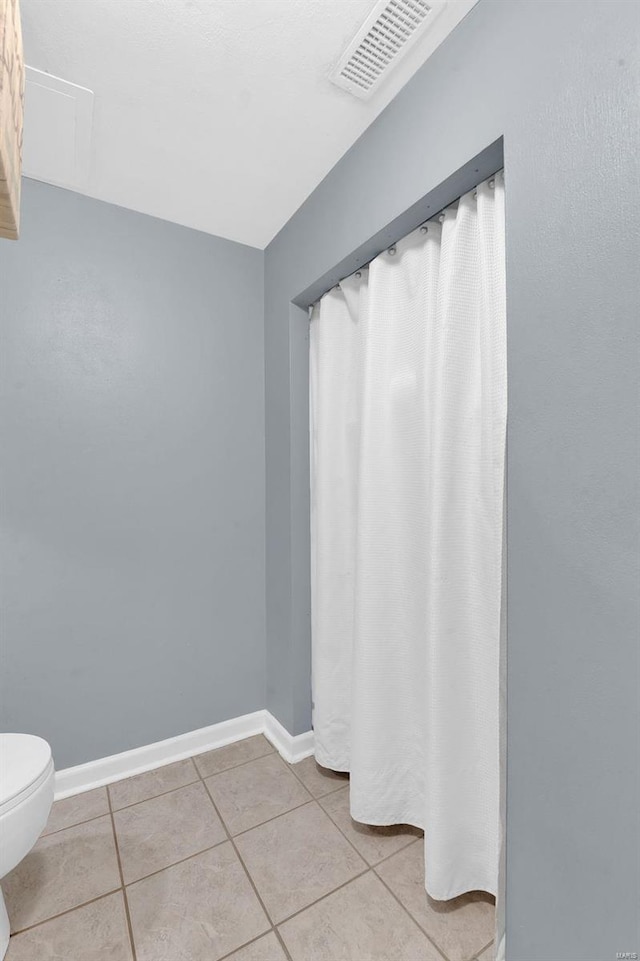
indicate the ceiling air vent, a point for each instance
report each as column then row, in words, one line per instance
column 384, row 38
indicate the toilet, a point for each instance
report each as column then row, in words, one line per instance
column 26, row 794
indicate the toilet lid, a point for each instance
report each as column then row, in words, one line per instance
column 23, row 759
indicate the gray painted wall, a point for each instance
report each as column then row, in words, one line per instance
column 560, row 82
column 132, row 447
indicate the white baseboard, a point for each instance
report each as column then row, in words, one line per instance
column 105, row 770
column 291, row 747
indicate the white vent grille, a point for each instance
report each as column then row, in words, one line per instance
column 385, row 37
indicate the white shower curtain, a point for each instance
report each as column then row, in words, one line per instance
column 408, row 417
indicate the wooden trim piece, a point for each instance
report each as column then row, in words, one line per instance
column 11, row 117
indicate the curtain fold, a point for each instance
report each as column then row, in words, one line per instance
column 408, row 420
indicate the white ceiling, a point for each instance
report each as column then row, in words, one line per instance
column 215, row 114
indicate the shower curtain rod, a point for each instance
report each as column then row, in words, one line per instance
column 424, row 227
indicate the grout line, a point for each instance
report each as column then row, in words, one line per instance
column 408, row 912
column 482, row 950
column 125, row 807
column 75, row 824
column 174, row 864
column 228, row 835
column 123, row 887
column 76, row 907
column 199, row 777
column 373, row 868
column 275, row 817
column 284, row 764
column 323, row 897
column 334, row 790
column 124, row 892
column 284, row 947
column 232, row 767
column 387, row 856
column 246, row 871
column 352, row 845
column 247, row 944
column 312, row 800
column 134, row 804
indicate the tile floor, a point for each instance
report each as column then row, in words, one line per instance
column 236, row 855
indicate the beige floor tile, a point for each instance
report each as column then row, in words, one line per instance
column 297, row 858
column 151, row 783
column 360, row 922
column 267, row 948
column 460, row 927
column 156, row 833
column 62, row 871
column 488, row 954
column 373, row 843
column 199, row 910
column 76, row 809
column 319, row 780
column 233, row 754
column 95, row 932
column 255, row 792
